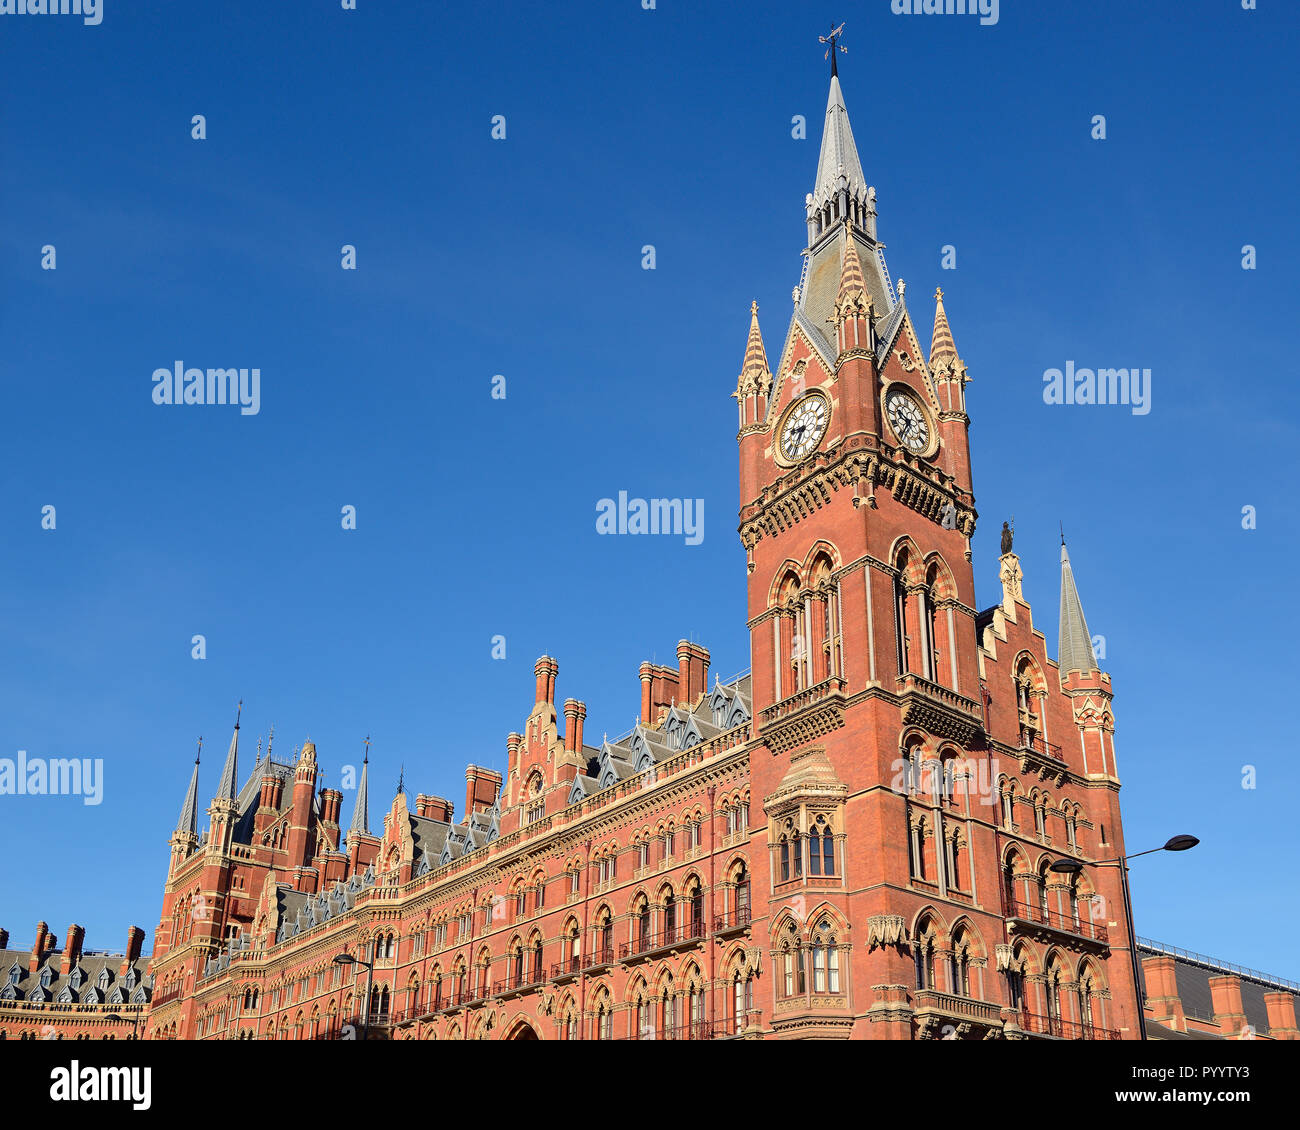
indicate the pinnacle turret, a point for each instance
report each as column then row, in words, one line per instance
column 1075, row 650
column 228, row 789
column 188, row 824
column 361, row 812
column 941, row 343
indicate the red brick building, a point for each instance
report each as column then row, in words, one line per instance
column 68, row 992
column 1193, row 997
column 854, row 840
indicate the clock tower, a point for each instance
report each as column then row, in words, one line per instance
column 886, row 707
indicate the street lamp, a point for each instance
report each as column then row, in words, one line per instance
column 135, row 1022
column 1074, row 867
column 348, row 959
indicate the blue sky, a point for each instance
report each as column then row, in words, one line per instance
column 522, row 257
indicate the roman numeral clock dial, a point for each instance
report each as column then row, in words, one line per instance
column 909, row 420
column 804, row 427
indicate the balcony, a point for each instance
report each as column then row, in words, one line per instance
column 943, row 712
column 732, row 920
column 935, row 1011
column 1040, row 756
column 569, row 967
column 517, row 983
column 1035, row 917
column 645, row 945
column 1056, row 1028
column 804, row 716
column 601, row 957
column 728, row 1028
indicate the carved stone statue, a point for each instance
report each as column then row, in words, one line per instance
column 1007, row 533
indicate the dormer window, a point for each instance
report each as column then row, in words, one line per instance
column 46, row 977
column 102, row 980
column 14, row 974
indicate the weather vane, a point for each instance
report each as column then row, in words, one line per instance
column 833, row 41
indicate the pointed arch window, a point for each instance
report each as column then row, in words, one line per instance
column 924, row 957
column 960, row 967
column 792, row 961
column 826, row 959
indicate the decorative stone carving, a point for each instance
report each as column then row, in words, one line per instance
column 1004, row 956
column 886, row 930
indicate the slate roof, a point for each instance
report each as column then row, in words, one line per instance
column 1192, row 973
column 95, row 979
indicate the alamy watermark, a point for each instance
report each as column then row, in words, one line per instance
column 987, row 10
column 91, row 11
column 179, row 385
column 682, row 517
column 1098, row 386
column 53, row 776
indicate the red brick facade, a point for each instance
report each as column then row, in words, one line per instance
column 853, row 841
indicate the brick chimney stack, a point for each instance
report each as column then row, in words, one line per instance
column 1225, row 994
column 331, row 804
column 659, row 689
column 481, row 788
column 1281, row 1016
column 433, row 807
column 692, row 671
column 38, row 947
column 4, row 939
column 545, row 670
column 72, row 948
column 574, row 713
column 1162, row 992
column 134, row 944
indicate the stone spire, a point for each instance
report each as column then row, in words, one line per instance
column 229, row 787
column 361, row 813
column 838, row 166
column 941, row 343
column 754, row 368
column 1075, row 652
column 188, row 824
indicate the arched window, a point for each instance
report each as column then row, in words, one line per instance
column 902, row 610
column 695, row 1011
column 826, row 959
column 916, row 847
column 695, row 901
column 923, row 953
column 1054, row 1013
column 643, row 926
column 960, row 965
column 670, row 918
column 821, row 848
column 742, row 1000
column 645, row 1022
column 742, row 895
column 792, row 962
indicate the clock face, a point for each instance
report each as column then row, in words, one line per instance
column 804, row 427
column 908, row 420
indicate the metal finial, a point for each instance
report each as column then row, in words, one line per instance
column 199, row 750
column 366, row 760
column 239, row 710
column 269, row 739
column 833, row 40
column 1062, row 533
